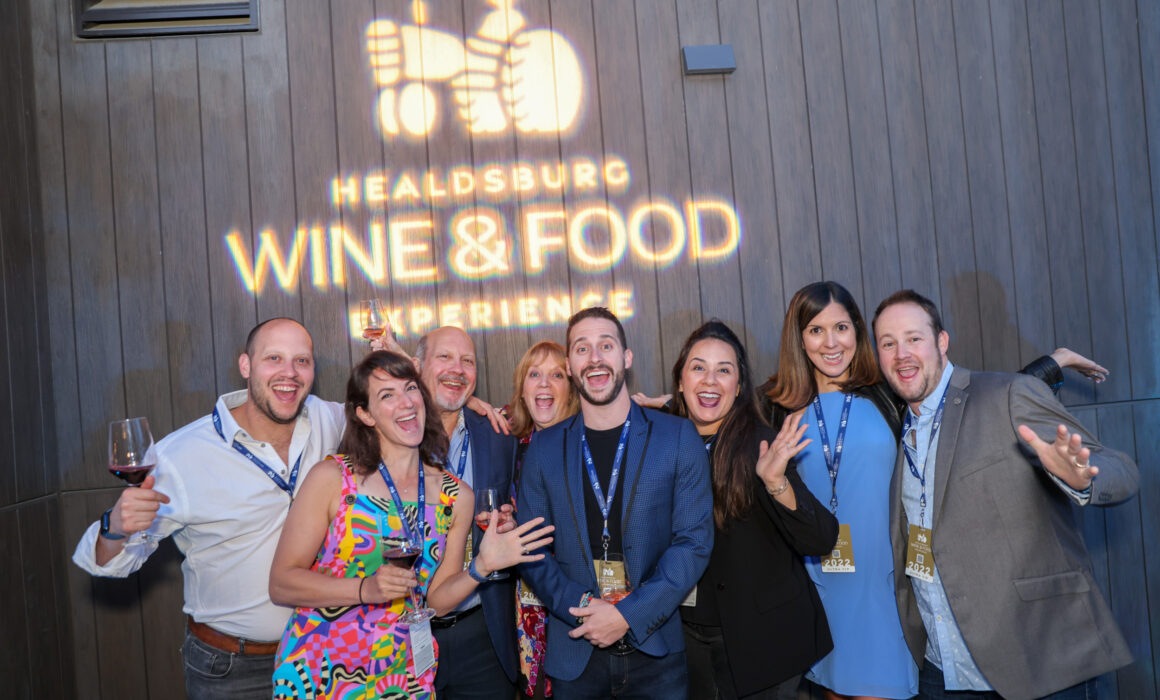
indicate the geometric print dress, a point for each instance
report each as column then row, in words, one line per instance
column 362, row 651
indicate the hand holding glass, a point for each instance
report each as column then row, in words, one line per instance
column 405, row 556
column 374, row 318
column 131, row 456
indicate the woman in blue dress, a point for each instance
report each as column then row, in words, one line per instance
column 827, row 371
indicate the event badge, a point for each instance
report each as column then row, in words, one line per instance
column 422, row 647
column 919, row 558
column 690, row 600
column 841, row 559
column 467, row 553
column 611, row 579
column 528, row 596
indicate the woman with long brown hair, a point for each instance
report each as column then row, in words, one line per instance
column 754, row 623
column 353, row 631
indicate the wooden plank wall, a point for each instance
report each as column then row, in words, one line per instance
column 1000, row 157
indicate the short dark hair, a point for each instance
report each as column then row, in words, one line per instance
column 360, row 442
column 594, row 312
column 909, row 296
column 253, row 335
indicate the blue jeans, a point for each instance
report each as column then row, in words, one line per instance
column 213, row 674
column 931, row 686
column 633, row 676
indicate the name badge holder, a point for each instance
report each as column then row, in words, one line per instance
column 919, row 555
column 610, row 570
column 841, row 558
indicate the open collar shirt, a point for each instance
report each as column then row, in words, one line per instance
column 225, row 515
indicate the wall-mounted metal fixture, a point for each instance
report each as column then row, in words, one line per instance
column 708, row 59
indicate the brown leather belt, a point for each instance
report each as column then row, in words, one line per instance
column 224, row 642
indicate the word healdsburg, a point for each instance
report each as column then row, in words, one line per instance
column 421, row 226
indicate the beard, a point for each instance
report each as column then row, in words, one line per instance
column 264, row 402
column 617, row 385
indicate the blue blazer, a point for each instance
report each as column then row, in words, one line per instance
column 492, row 459
column 667, row 531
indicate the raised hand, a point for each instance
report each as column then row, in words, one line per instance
column 494, row 414
column 1066, row 357
column 499, row 550
column 1065, row 457
column 773, row 458
column 658, row 402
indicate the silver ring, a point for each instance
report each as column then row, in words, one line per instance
column 1078, row 465
column 525, row 551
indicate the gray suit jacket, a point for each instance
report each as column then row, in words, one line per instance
column 1006, row 542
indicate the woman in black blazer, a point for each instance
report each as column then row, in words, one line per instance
column 754, row 623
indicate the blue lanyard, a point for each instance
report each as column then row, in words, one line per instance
column 605, row 506
column 421, row 515
column 463, row 448
column 709, row 444
column 835, row 459
column 906, row 427
column 287, row 487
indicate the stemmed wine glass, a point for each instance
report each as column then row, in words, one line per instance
column 374, row 318
column 405, row 556
column 131, row 456
column 486, row 501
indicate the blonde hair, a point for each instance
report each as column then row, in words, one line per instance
column 522, row 423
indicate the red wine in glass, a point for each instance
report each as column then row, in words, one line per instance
column 403, row 557
column 132, row 474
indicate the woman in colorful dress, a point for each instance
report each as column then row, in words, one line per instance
column 543, row 397
column 346, row 637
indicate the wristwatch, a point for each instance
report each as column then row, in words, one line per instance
column 105, row 527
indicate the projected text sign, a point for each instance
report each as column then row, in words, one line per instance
column 401, row 228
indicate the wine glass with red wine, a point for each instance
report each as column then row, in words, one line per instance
column 405, row 555
column 131, row 456
column 486, row 501
column 374, row 318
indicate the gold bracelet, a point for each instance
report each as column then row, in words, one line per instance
column 779, row 490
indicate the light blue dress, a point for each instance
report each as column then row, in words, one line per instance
column 870, row 655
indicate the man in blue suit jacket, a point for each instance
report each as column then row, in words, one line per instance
column 621, row 480
column 477, row 652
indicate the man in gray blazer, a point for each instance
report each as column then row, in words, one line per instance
column 994, row 584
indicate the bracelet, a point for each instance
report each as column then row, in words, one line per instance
column 360, row 585
column 474, row 573
column 779, row 490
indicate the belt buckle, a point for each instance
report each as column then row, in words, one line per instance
column 621, row 647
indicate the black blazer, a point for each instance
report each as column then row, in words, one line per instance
column 772, row 619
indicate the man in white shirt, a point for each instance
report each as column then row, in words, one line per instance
column 221, row 488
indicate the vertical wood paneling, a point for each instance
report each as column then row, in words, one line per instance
column 140, row 263
column 1138, row 259
column 830, row 138
column 1065, row 245
column 1148, row 32
column 1031, row 290
column 750, row 155
column 870, row 151
column 909, row 159
column 14, row 615
column 92, row 252
column 226, row 173
column 1146, row 421
column 1097, row 195
column 10, row 86
column 666, row 138
column 1127, row 594
column 184, row 262
column 49, row 673
column 985, row 181
column 619, row 111
column 709, row 174
column 793, row 167
column 315, row 161
column 958, row 291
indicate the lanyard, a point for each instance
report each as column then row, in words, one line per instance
column 287, row 487
column 605, row 506
column 906, row 427
column 463, row 448
column 833, row 460
column 709, row 444
column 421, row 514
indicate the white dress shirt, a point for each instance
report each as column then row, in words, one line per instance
column 225, row 514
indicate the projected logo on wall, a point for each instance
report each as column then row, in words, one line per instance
column 504, row 77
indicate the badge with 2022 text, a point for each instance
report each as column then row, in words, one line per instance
column 611, row 578
column 841, row 559
column 919, row 557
